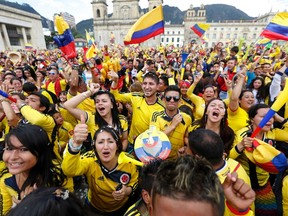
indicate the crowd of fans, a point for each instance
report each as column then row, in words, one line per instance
column 73, row 117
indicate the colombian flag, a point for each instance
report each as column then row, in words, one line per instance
column 277, row 29
column 200, row 28
column 149, row 25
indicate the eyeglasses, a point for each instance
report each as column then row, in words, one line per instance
column 169, row 98
column 52, row 73
column 12, row 148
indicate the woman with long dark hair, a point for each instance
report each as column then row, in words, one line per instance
column 215, row 119
column 28, row 156
column 106, row 112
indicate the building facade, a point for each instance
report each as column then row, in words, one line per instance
column 114, row 27
column 18, row 28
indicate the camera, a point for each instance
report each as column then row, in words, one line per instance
column 75, row 67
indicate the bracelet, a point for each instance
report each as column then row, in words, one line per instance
column 284, row 121
column 237, row 150
column 113, row 88
column 70, row 144
column 22, row 105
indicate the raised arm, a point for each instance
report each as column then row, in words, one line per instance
column 234, row 104
column 71, row 104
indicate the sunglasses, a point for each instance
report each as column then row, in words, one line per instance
column 169, row 98
column 52, row 73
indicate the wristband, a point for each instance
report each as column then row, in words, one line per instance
column 70, row 144
column 113, row 88
column 237, row 150
column 284, row 121
column 235, row 211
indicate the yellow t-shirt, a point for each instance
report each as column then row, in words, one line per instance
column 161, row 120
column 237, row 119
column 142, row 111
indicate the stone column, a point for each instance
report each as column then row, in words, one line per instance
column 6, row 37
column 24, row 35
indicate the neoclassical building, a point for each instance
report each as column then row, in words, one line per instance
column 18, row 27
column 126, row 13
column 115, row 26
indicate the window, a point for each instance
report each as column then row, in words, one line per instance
column 178, row 39
column 172, row 39
column 98, row 13
column 255, row 28
column 207, row 35
column 162, row 39
column 222, row 29
column 173, row 32
column 228, row 36
column 14, row 41
column 167, row 40
column 254, row 36
column 236, row 28
column 215, row 28
column 214, row 36
column 245, row 35
column 167, row 32
column 179, row 32
column 235, row 36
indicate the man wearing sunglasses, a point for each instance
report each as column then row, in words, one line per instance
column 172, row 121
column 55, row 83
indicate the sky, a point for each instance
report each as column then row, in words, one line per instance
column 82, row 9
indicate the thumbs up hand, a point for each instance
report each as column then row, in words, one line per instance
column 80, row 132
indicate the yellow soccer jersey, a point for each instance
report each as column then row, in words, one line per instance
column 229, row 167
column 161, row 120
column 101, row 182
column 51, row 86
column 237, row 119
column 65, row 132
column 68, row 117
column 87, row 105
column 199, row 103
column 269, row 137
column 93, row 126
column 142, row 111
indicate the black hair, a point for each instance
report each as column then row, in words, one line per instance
column 152, row 75
column 51, row 201
column 254, row 110
column 29, row 87
column 115, row 113
column 114, row 134
column 235, row 49
column 44, row 102
column 262, row 92
column 15, row 78
column 226, row 133
column 207, row 144
column 172, row 88
column 46, row 172
column 243, row 92
column 32, row 72
column 148, row 174
column 164, row 78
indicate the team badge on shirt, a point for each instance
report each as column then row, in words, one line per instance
column 124, row 178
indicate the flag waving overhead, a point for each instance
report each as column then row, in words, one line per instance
column 277, row 29
column 200, row 28
column 148, row 26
